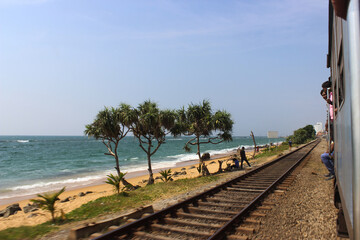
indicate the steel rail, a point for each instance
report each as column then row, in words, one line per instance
column 126, row 229
column 221, row 233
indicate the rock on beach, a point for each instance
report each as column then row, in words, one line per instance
column 10, row 210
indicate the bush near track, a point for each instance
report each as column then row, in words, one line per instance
column 302, row 135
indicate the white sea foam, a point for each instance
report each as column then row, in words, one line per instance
column 222, row 151
column 45, row 186
column 130, row 159
column 163, row 165
column 40, row 185
column 174, row 159
column 183, row 157
column 22, row 141
column 136, row 168
column 154, row 165
column 247, row 147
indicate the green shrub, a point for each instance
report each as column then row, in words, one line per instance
column 115, row 181
column 166, row 175
column 302, row 135
column 48, row 201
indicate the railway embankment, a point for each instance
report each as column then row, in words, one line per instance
column 306, row 209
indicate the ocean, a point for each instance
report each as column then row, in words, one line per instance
column 35, row 164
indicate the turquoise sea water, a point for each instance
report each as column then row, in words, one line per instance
column 33, row 164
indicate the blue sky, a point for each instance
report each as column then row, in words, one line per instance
column 62, row 61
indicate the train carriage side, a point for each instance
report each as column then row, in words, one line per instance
column 343, row 60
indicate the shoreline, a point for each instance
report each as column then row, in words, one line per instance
column 129, row 176
column 15, row 187
column 97, row 191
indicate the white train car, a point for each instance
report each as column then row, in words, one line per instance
column 344, row 63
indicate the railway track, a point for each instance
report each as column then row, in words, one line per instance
column 217, row 212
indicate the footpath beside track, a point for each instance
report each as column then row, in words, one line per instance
column 216, row 213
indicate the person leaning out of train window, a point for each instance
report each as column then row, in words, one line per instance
column 329, row 99
column 324, row 95
column 328, row 161
column 326, row 125
column 327, row 85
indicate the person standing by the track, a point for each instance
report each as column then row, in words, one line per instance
column 243, row 157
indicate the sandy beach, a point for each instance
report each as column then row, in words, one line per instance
column 101, row 189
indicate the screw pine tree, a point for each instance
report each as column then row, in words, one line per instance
column 200, row 122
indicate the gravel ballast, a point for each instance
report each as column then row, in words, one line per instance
column 306, row 210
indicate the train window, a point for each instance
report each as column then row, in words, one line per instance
column 335, row 97
column 340, row 85
column 341, row 89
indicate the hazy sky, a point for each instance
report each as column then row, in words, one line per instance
column 61, row 61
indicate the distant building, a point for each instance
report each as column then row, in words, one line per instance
column 272, row 134
column 318, row 127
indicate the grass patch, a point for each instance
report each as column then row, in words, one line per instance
column 111, row 204
column 137, row 198
column 274, row 150
column 27, row 232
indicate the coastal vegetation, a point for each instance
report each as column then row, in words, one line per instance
column 111, row 125
column 27, row 232
column 302, row 135
column 137, row 198
column 115, row 181
column 111, row 204
column 273, row 150
column 150, row 125
column 47, row 201
column 166, row 175
column 200, row 121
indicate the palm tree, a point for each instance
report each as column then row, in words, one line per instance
column 150, row 127
column 48, row 201
column 166, row 175
column 199, row 121
column 111, row 126
column 115, row 181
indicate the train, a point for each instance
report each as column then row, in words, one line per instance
column 343, row 60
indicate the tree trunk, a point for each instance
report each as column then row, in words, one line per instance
column 126, row 183
column 220, row 166
column 151, row 177
column 53, row 216
column 117, row 165
column 204, row 169
column 123, row 181
column 117, row 158
column 252, row 135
